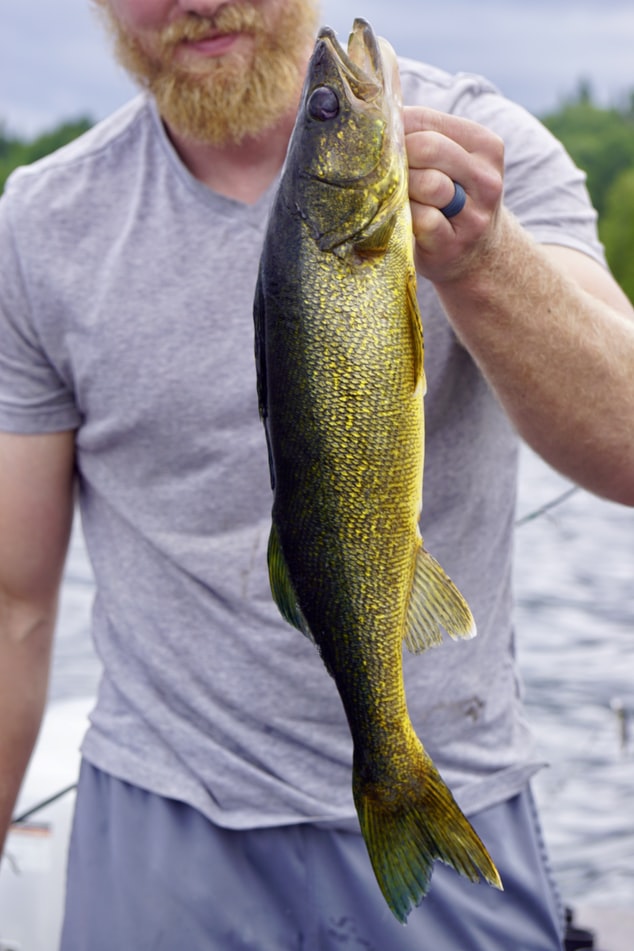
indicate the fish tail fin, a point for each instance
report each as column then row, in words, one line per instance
column 408, row 826
column 435, row 603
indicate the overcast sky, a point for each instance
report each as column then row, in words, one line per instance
column 55, row 62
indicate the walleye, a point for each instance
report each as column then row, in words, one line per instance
column 339, row 353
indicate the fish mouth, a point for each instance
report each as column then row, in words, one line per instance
column 368, row 67
column 360, row 65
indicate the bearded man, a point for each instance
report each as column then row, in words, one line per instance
column 214, row 808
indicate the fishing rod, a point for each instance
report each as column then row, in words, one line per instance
column 547, row 507
column 17, row 820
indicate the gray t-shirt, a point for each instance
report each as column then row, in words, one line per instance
column 126, row 293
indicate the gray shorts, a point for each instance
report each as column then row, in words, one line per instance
column 152, row 874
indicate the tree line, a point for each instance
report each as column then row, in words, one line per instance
column 601, row 142
column 16, row 151
column 599, row 139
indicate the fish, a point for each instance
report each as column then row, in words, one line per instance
column 340, row 382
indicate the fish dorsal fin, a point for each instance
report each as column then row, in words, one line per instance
column 435, row 603
column 416, row 328
column 259, row 323
column 282, row 588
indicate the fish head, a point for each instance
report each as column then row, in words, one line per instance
column 346, row 161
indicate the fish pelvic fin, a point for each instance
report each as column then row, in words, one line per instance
column 282, row 587
column 435, row 603
column 407, row 826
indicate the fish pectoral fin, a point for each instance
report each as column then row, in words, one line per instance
column 435, row 603
column 282, row 587
column 416, row 328
column 375, row 240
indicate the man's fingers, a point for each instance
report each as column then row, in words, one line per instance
column 470, row 135
column 429, row 186
column 443, row 150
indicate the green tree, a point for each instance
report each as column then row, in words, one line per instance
column 616, row 228
column 601, row 142
column 14, row 151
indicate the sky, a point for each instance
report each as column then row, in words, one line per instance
column 56, row 64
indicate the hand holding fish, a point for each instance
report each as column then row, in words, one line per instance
column 562, row 305
column 443, row 149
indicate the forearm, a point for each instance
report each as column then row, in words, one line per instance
column 36, row 510
column 25, row 650
column 560, row 360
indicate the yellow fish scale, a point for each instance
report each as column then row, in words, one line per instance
column 348, row 503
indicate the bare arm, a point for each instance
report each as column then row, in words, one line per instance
column 36, row 506
column 548, row 326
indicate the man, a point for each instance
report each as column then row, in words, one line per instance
column 214, row 808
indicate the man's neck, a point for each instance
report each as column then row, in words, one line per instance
column 242, row 171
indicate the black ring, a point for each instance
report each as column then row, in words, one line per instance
column 457, row 203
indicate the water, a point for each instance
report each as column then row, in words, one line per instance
column 575, row 622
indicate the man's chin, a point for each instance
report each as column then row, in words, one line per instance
column 202, row 109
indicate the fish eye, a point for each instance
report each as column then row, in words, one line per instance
column 323, row 103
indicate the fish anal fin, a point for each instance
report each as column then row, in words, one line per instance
column 409, row 823
column 282, row 587
column 435, row 603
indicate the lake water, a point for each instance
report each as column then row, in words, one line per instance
column 575, row 622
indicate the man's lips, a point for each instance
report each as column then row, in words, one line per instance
column 212, row 45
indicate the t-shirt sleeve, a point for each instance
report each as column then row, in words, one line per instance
column 33, row 397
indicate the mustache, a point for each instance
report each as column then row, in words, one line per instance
column 228, row 18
